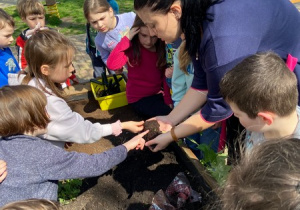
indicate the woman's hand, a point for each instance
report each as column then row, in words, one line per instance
column 133, row 126
column 3, row 171
column 136, row 142
column 160, row 142
column 165, row 124
column 132, row 32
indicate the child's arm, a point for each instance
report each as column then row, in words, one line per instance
column 133, row 126
column 20, row 44
column 3, row 171
column 69, row 126
column 118, row 58
column 52, row 165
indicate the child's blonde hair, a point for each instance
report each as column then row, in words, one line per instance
column 30, row 7
column 183, row 57
column 46, row 47
column 95, row 6
column 6, row 19
column 22, row 109
column 32, row 204
column 268, row 177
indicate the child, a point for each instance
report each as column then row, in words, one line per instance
column 32, row 12
column 266, row 178
column 183, row 74
column 91, row 33
column 8, row 63
column 35, row 164
column 111, row 28
column 262, row 93
column 32, row 204
column 46, row 71
column 145, row 56
column 171, row 48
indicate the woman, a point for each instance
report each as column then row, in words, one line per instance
column 219, row 34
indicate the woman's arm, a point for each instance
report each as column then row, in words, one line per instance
column 191, row 102
column 192, row 125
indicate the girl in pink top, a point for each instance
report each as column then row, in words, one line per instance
column 146, row 90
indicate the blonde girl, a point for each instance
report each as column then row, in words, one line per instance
column 49, row 56
column 111, row 28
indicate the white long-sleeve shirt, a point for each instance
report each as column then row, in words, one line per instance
column 66, row 125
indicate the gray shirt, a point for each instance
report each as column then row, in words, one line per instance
column 34, row 166
column 253, row 138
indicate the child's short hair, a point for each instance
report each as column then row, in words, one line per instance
column 22, row 109
column 95, row 6
column 46, row 47
column 30, row 7
column 268, row 177
column 32, row 204
column 261, row 82
column 6, row 19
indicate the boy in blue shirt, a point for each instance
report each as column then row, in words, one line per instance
column 8, row 63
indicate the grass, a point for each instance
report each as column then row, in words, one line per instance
column 71, row 21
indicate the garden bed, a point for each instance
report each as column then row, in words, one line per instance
column 133, row 183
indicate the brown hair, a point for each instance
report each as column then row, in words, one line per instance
column 46, row 47
column 32, row 204
column 261, row 82
column 159, row 45
column 95, row 6
column 268, row 177
column 22, row 109
column 6, row 19
column 30, row 7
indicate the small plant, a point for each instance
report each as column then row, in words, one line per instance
column 68, row 190
column 214, row 162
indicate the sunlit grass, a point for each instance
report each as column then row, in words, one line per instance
column 71, row 21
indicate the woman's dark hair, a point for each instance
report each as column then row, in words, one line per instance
column 159, row 46
column 194, row 12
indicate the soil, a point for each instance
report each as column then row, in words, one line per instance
column 153, row 128
column 132, row 184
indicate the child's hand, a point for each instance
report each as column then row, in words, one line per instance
column 3, row 171
column 133, row 126
column 169, row 72
column 136, row 142
column 132, row 33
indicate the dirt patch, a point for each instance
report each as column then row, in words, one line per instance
column 133, row 183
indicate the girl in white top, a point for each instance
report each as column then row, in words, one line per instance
column 49, row 56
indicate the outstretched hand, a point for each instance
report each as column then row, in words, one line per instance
column 133, row 126
column 164, row 123
column 3, row 171
column 136, row 142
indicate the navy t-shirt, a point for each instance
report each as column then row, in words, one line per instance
column 242, row 28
